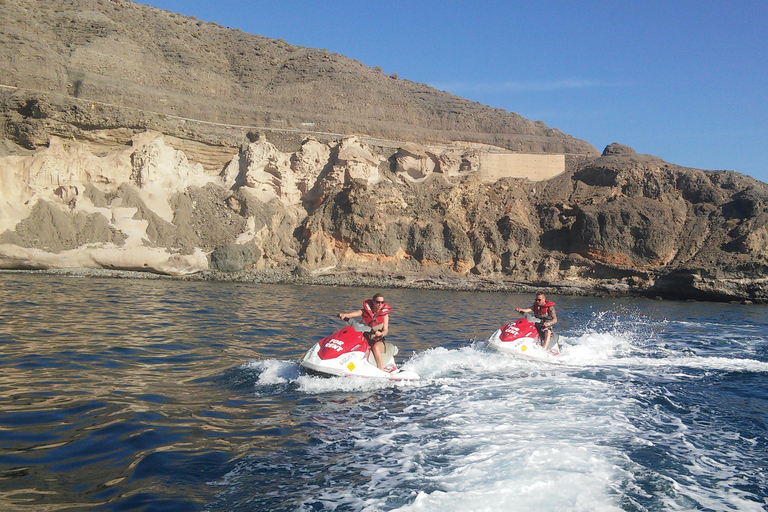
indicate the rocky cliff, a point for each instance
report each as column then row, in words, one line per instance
column 111, row 159
column 132, row 55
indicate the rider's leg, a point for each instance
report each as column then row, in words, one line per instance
column 547, row 336
column 378, row 351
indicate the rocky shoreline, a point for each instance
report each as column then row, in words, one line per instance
column 399, row 281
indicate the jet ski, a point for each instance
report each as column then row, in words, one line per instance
column 346, row 353
column 521, row 338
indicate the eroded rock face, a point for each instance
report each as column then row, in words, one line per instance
column 64, row 206
column 55, row 229
column 66, row 203
column 622, row 222
column 265, row 171
column 636, row 232
column 155, row 164
column 625, row 222
column 270, row 174
column 416, row 163
column 309, row 164
column 355, row 161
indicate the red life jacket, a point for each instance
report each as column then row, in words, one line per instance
column 542, row 311
column 368, row 316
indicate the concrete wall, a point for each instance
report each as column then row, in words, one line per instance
column 494, row 166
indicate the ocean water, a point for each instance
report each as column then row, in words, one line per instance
column 144, row 394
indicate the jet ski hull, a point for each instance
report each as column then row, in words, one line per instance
column 346, row 353
column 521, row 338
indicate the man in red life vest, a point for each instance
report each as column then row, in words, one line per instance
column 545, row 311
column 375, row 313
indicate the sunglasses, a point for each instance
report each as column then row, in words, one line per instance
column 379, row 301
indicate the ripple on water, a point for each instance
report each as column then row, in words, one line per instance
column 151, row 394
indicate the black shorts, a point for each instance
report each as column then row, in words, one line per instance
column 372, row 340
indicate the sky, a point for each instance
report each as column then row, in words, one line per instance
column 685, row 80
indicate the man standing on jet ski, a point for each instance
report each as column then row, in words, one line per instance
column 544, row 310
column 375, row 313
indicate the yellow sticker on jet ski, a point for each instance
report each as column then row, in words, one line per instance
column 523, row 348
column 351, row 366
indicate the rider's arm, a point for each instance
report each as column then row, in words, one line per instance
column 353, row 314
column 553, row 320
column 524, row 310
column 385, row 328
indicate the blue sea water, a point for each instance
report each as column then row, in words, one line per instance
column 145, row 394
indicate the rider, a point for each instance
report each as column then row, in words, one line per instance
column 544, row 310
column 375, row 313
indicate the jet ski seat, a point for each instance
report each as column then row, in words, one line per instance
column 389, row 352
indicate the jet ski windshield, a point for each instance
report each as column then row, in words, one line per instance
column 531, row 318
column 358, row 324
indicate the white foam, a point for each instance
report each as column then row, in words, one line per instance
column 704, row 363
column 440, row 362
column 273, row 371
column 318, row 385
column 556, row 478
column 477, row 440
column 488, row 431
column 594, row 348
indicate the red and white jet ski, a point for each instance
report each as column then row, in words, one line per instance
column 346, row 353
column 521, row 338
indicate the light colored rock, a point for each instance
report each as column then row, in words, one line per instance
column 355, row 161
column 109, row 257
column 59, row 174
column 456, row 163
column 155, row 162
column 265, row 171
column 158, row 171
column 54, row 173
column 269, row 174
column 308, row 164
column 416, row 163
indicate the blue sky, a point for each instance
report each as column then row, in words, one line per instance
column 683, row 80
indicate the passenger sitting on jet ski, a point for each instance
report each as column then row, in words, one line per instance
column 375, row 313
column 544, row 310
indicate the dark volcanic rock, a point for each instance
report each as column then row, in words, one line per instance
column 617, row 149
column 632, row 231
column 53, row 230
column 234, row 257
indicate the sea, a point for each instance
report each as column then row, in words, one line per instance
column 157, row 394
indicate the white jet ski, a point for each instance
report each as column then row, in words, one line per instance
column 346, row 353
column 521, row 338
